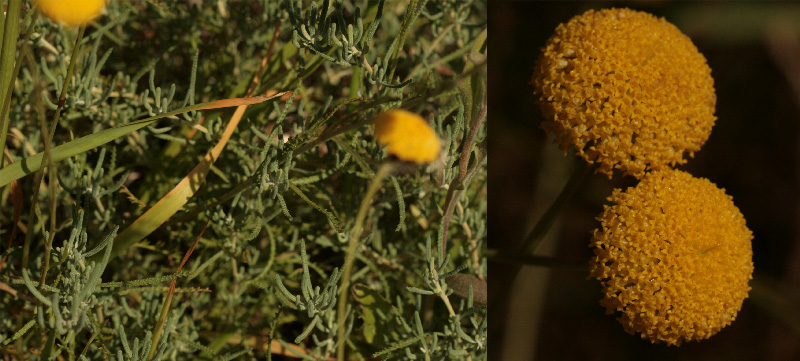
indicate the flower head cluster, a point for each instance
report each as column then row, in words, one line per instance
column 627, row 89
column 407, row 136
column 674, row 257
column 71, row 12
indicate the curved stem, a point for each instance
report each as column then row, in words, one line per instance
column 352, row 247
column 547, row 220
column 459, row 183
column 532, row 241
column 502, row 290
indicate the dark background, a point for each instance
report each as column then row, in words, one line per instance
column 753, row 50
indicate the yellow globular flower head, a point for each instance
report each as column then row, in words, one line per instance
column 673, row 256
column 407, row 136
column 71, row 12
column 627, row 89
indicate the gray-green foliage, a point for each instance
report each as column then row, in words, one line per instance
column 278, row 203
column 318, row 303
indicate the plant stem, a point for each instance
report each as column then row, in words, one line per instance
column 547, row 220
column 529, row 245
column 7, row 64
column 5, row 98
column 541, row 261
column 6, row 104
column 412, row 12
column 162, row 319
column 352, row 248
column 437, row 288
column 47, row 159
column 459, row 184
column 502, row 290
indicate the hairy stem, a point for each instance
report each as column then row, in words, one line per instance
column 457, row 186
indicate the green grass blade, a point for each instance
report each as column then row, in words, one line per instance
column 8, row 54
column 31, row 164
column 173, row 201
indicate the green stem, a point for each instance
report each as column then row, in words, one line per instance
column 437, row 288
column 408, row 103
column 547, row 220
column 541, row 261
column 412, row 12
column 7, row 66
column 459, row 184
column 6, row 97
column 503, row 288
column 352, row 247
column 529, row 245
column 47, row 159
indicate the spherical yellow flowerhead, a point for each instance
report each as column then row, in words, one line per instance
column 71, row 12
column 627, row 89
column 407, row 136
column 674, row 257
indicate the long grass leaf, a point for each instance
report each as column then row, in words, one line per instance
column 31, row 164
column 173, row 201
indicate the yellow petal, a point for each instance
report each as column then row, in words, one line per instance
column 71, row 12
column 407, row 136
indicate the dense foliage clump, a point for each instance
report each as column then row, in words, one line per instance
column 143, row 218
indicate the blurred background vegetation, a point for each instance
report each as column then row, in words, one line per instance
column 753, row 50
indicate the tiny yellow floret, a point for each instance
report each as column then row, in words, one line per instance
column 627, row 89
column 71, row 12
column 674, row 257
column 407, row 136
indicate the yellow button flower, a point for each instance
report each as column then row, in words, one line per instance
column 71, row 12
column 674, row 257
column 627, row 89
column 407, row 136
